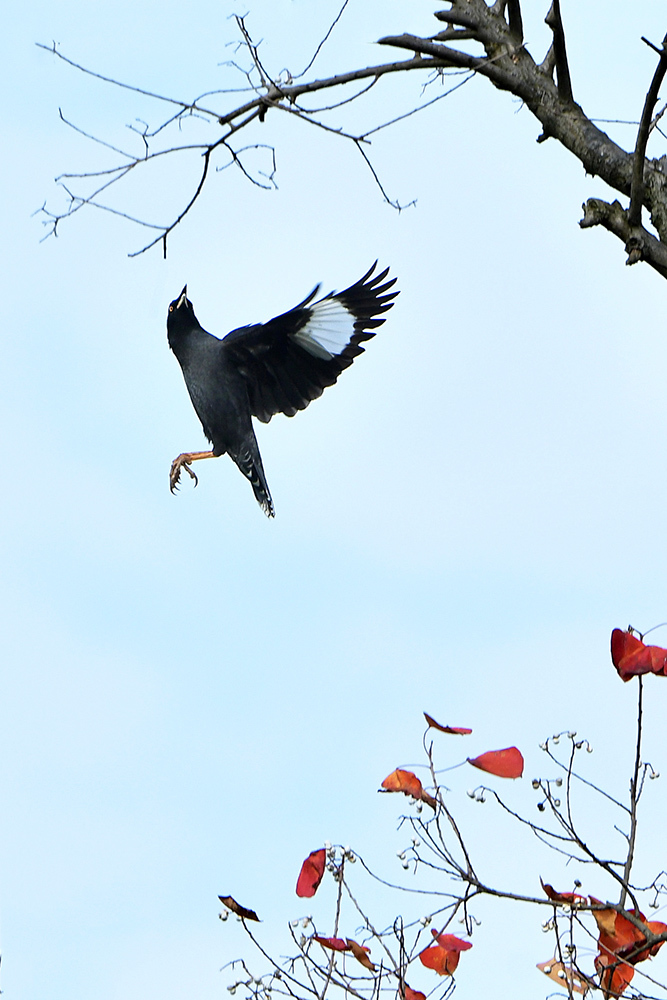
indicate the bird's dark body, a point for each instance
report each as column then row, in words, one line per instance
column 268, row 368
column 217, row 390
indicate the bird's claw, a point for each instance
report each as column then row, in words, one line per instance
column 175, row 472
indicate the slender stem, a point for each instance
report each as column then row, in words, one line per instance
column 634, row 798
column 339, row 899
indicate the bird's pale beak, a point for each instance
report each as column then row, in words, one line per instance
column 183, row 297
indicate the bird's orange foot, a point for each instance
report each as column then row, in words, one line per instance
column 175, row 472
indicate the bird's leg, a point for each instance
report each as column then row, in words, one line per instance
column 183, row 462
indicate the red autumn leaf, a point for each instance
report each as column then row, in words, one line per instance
column 615, row 975
column 656, row 927
column 605, row 917
column 403, row 781
column 619, row 937
column 451, row 942
column 624, row 937
column 454, row 730
column 622, row 945
column 439, row 959
column 506, row 763
column 631, row 657
column 335, row 944
column 240, row 911
column 443, row 956
column 409, row 784
column 561, row 897
column 361, row 954
column 311, row 873
column 410, row 994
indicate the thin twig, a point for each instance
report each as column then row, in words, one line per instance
column 168, row 229
column 93, row 138
column 324, row 41
column 394, row 204
column 185, row 105
column 634, row 798
column 408, row 114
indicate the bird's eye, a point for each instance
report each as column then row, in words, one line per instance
column 171, row 309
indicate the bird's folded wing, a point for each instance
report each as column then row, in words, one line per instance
column 290, row 360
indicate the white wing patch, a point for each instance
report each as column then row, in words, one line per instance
column 328, row 331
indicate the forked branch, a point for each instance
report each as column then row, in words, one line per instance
column 555, row 22
column 502, row 58
column 638, row 186
column 394, row 953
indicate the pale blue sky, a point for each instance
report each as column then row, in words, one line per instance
column 195, row 697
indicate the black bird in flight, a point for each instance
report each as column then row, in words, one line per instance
column 274, row 367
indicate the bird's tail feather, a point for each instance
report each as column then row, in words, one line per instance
column 250, row 463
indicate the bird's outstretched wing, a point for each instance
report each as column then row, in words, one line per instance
column 290, row 360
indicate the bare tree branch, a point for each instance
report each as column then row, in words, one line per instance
column 637, row 188
column 324, row 40
column 503, row 60
column 555, row 22
column 634, row 793
column 117, row 83
column 639, row 243
column 623, row 938
column 515, row 21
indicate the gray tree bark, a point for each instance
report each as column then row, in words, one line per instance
column 545, row 88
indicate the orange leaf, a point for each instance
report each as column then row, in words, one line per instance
column 604, row 918
column 561, row 897
column 563, row 975
column 451, row 942
column 311, row 873
column 403, row 781
column 440, row 959
column 630, row 939
column 615, row 976
column 506, row 763
column 455, row 730
column 624, row 939
column 361, row 954
column 409, row 784
column 631, row 657
column 656, row 927
column 236, row 908
column 335, row 944
column 618, row 935
column 622, row 945
column 410, row 994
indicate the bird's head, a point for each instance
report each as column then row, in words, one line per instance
column 181, row 315
column 181, row 303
